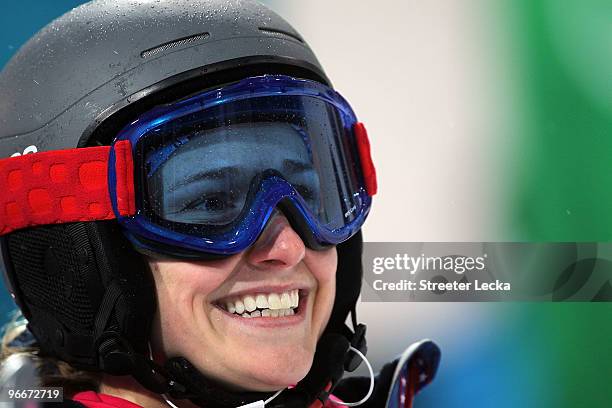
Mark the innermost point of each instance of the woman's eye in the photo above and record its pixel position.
(211, 203)
(305, 192)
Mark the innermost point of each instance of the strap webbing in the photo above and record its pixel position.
(64, 186)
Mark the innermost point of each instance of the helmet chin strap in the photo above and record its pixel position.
(264, 403)
(179, 379)
(165, 396)
(332, 355)
(256, 404)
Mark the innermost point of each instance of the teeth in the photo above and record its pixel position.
(285, 300)
(274, 301)
(239, 307)
(295, 299)
(265, 305)
(262, 301)
(249, 303)
(269, 313)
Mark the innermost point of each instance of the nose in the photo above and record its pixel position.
(278, 247)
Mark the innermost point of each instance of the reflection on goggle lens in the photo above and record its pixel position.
(208, 175)
(206, 168)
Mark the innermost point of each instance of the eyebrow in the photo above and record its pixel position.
(207, 175)
(294, 166)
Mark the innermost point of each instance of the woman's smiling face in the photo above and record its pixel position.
(199, 302)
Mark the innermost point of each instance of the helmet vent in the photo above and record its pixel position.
(173, 44)
(276, 31)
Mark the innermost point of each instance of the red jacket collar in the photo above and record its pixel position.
(92, 399)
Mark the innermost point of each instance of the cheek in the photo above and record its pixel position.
(323, 265)
(182, 292)
(182, 282)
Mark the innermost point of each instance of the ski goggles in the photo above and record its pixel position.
(204, 174)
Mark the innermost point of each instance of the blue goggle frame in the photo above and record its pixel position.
(274, 191)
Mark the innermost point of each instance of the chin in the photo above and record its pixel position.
(275, 369)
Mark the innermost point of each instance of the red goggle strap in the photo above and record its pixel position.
(64, 186)
(367, 165)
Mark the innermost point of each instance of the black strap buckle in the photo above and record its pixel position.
(358, 341)
(117, 358)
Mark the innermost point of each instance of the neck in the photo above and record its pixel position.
(127, 388)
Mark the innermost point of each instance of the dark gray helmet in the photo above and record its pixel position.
(104, 55)
(86, 293)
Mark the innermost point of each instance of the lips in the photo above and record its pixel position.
(263, 304)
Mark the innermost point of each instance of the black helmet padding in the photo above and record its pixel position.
(65, 273)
